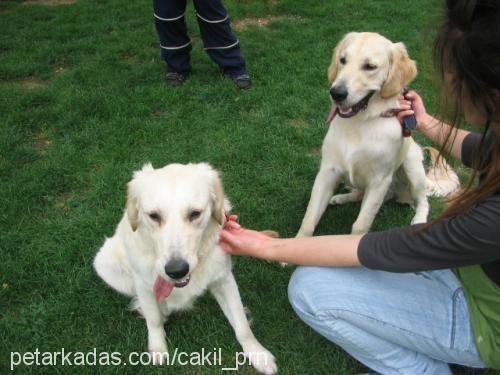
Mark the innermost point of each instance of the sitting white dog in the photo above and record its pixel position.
(365, 146)
(165, 253)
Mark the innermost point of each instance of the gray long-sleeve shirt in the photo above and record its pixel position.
(466, 239)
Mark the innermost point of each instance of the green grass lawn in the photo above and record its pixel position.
(83, 103)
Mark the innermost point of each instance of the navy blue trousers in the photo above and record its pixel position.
(218, 39)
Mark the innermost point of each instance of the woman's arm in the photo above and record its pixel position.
(429, 126)
(340, 250)
(467, 239)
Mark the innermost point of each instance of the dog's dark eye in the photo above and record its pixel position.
(155, 216)
(342, 60)
(369, 66)
(193, 215)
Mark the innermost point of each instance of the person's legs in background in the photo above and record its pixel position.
(220, 42)
(413, 323)
(175, 43)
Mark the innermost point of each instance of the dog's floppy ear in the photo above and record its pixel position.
(216, 192)
(333, 69)
(132, 209)
(403, 70)
(218, 201)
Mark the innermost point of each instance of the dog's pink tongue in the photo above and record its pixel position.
(331, 115)
(162, 288)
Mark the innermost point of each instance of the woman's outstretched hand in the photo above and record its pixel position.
(339, 250)
(236, 240)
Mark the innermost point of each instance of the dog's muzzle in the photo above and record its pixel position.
(339, 94)
(177, 270)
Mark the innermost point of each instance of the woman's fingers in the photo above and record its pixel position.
(226, 240)
(411, 94)
(233, 218)
(402, 114)
(404, 104)
(414, 98)
(231, 225)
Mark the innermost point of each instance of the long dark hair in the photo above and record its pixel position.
(467, 55)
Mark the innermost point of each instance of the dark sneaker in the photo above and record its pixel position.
(243, 81)
(175, 79)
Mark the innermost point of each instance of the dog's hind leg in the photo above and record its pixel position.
(415, 172)
(353, 196)
(325, 183)
(227, 295)
(110, 265)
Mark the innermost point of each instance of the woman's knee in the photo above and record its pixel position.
(295, 284)
(307, 284)
(313, 290)
(297, 289)
(318, 296)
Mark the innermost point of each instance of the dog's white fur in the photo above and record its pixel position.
(136, 255)
(367, 150)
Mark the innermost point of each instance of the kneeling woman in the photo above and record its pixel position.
(427, 295)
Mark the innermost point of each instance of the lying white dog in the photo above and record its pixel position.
(365, 145)
(165, 253)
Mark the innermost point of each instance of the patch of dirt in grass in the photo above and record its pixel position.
(60, 70)
(315, 152)
(32, 83)
(129, 56)
(66, 201)
(160, 113)
(95, 167)
(298, 123)
(244, 23)
(50, 3)
(61, 202)
(42, 141)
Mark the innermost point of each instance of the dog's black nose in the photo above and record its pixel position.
(177, 268)
(339, 93)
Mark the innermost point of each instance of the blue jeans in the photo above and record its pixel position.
(394, 323)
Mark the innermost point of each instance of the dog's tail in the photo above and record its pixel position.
(442, 180)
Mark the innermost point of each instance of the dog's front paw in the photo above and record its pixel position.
(158, 354)
(263, 361)
(260, 358)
